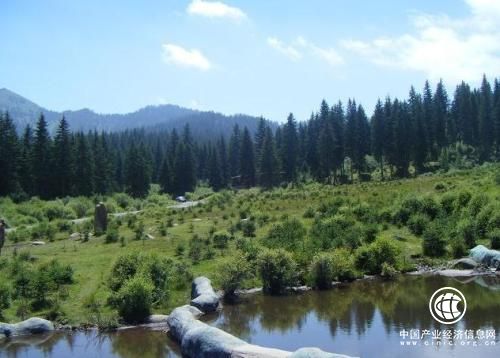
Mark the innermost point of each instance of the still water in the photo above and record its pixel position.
(364, 319)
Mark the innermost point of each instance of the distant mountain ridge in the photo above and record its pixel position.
(204, 124)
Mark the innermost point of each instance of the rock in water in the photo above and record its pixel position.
(100, 219)
(464, 263)
(199, 340)
(30, 326)
(203, 296)
(485, 256)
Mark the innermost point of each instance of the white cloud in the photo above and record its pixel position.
(442, 47)
(289, 51)
(215, 9)
(179, 56)
(301, 47)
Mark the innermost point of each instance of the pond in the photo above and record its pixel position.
(365, 319)
(130, 343)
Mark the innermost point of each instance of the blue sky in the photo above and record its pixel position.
(256, 57)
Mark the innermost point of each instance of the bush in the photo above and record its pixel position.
(495, 239)
(418, 223)
(221, 239)
(277, 270)
(336, 232)
(232, 273)
(433, 244)
(458, 248)
(370, 233)
(5, 296)
(134, 300)
(288, 235)
(388, 271)
(328, 267)
(467, 231)
(123, 269)
(248, 228)
(322, 271)
(59, 274)
(370, 258)
(112, 235)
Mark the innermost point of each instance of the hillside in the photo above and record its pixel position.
(166, 117)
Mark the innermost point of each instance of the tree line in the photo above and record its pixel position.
(402, 137)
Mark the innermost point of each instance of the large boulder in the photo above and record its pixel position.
(30, 326)
(199, 340)
(485, 256)
(464, 264)
(203, 295)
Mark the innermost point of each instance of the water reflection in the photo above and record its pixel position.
(364, 318)
(124, 344)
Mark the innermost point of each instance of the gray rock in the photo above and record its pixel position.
(30, 326)
(464, 263)
(199, 340)
(485, 256)
(203, 296)
(100, 219)
(37, 243)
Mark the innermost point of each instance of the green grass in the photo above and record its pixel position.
(93, 260)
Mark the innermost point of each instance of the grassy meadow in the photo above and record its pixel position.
(457, 210)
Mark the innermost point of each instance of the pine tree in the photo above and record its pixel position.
(137, 171)
(289, 149)
(378, 135)
(184, 176)
(268, 161)
(62, 164)
(235, 152)
(440, 115)
(215, 178)
(84, 170)
(247, 161)
(337, 125)
(486, 124)
(428, 114)
(9, 156)
(165, 176)
(496, 117)
(41, 160)
(222, 153)
(26, 162)
(419, 137)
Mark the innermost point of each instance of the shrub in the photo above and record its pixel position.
(309, 213)
(288, 235)
(59, 274)
(277, 270)
(232, 273)
(430, 207)
(458, 248)
(112, 235)
(343, 265)
(134, 299)
(477, 202)
(433, 243)
(322, 271)
(388, 271)
(371, 258)
(248, 228)
(494, 237)
(335, 232)
(467, 231)
(123, 269)
(370, 232)
(221, 240)
(5, 296)
(418, 223)
(40, 284)
(327, 267)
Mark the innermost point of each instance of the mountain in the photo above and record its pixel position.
(164, 117)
